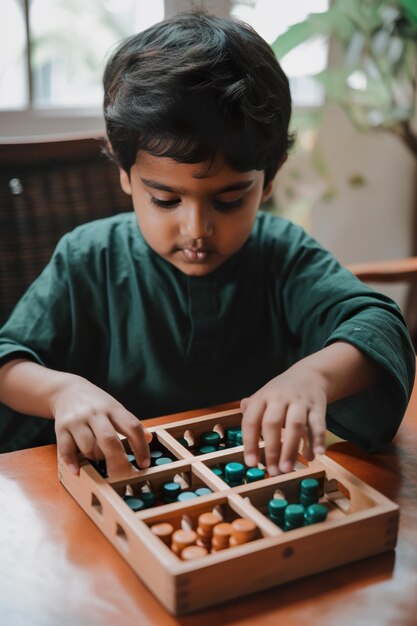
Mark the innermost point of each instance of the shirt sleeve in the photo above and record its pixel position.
(325, 303)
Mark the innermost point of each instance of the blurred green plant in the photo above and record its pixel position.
(375, 82)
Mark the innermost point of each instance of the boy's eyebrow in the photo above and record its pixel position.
(241, 185)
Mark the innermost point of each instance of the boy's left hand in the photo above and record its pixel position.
(296, 400)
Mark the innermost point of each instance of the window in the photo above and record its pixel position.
(273, 17)
(54, 84)
(69, 43)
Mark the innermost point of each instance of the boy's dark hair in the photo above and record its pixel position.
(196, 86)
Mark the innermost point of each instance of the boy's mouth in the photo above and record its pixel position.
(195, 255)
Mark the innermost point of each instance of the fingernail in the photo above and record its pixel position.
(145, 463)
(286, 467)
(73, 469)
(251, 460)
(273, 470)
(319, 450)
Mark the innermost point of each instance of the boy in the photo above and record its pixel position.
(196, 298)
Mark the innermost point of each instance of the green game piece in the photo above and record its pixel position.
(309, 491)
(183, 442)
(136, 504)
(309, 486)
(218, 471)
(231, 435)
(239, 438)
(316, 513)
(206, 449)
(163, 460)
(186, 495)
(277, 507)
(170, 491)
(149, 498)
(276, 511)
(294, 516)
(211, 438)
(203, 491)
(155, 455)
(234, 473)
(254, 473)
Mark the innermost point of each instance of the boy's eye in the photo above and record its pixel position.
(222, 205)
(165, 204)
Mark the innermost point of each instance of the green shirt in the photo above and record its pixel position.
(108, 308)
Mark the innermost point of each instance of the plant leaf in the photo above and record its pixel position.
(410, 9)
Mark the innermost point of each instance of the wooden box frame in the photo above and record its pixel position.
(361, 522)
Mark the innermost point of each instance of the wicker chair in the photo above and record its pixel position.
(46, 189)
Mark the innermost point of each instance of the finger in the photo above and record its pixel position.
(148, 436)
(133, 430)
(272, 422)
(110, 445)
(317, 428)
(295, 424)
(251, 430)
(243, 404)
(85, 441)
(68, 450)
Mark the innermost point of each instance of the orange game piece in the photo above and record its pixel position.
(193, 552)
(207, 521)
(206, 524)
(182, 539)
(163, 531)
(243, 531)
(221, 536)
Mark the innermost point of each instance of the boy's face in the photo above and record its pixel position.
(193, 220)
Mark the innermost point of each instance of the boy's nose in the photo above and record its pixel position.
(196, 222)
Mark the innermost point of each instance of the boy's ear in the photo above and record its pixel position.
(266, 193)
(125, 182)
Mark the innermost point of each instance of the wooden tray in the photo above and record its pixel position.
(361, 522)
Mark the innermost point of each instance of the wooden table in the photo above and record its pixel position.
(57, 569)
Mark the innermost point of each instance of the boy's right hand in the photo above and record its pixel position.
(87, 420)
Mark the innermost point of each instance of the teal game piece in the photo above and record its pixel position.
(163, 460)
(231, 436)
(186, 495)
(203, 491)
(239, 438)
(155, 455)
(234, 473)
(218, 471)
(254, 473)
(149, 498)
(211, 438)
(183, 442)
(316, 513)
(309, 491)
(136, 504)
(294, 516)
(276, 511)
(206, 449)
(171, 491)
